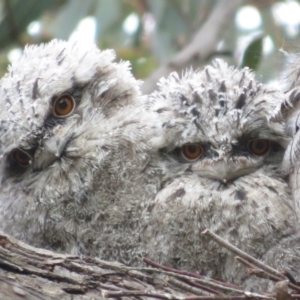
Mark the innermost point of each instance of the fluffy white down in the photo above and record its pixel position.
(89, 176)
(108, 180)
(291, 110)
(240, 196)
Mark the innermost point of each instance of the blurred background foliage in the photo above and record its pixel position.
(263, 34)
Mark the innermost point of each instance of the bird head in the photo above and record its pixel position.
(220, 123)
(72, 147)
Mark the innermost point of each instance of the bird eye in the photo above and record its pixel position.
(22, 158)
(259, 147)
(191, 152)
(63, 106)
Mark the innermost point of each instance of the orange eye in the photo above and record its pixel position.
(259, 147)
(22, 158)
(191, 152)
(63, 105)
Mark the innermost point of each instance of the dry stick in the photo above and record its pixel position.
(202, 286)
(261, 273)
(248, 257)
(257, 272)
(134, 272)
(242, 254)
(207, 281)
(254, 270)
(189, 274)
(186, 287)
(166, 296)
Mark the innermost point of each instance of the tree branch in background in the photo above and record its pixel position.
(202, 45)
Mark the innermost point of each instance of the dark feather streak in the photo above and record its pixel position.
(241, 101)
(35, 91)
(240, 195)
(178, 193)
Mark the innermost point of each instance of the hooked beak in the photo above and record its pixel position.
(227, 170)
(53, 147)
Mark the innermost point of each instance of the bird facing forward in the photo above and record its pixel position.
(222, 171)
(74, 161)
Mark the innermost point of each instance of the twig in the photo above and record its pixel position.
(258, 272)
(186, 287)
(261, 273)
(204, 287)
(242, 254)
(189, 274)
(248, 296)
(202, 282)
(269, 270)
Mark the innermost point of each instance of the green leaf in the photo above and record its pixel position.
(253, 53)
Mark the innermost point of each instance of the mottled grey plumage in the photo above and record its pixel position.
(92, 174)
(87, 177)
(238, 194)
(291, 109)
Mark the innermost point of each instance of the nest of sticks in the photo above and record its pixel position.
(31, 273)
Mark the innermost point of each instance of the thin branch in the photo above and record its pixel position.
(207, 38)
(258, 272)
(189, 274)
(242, 254)
(201, 46)
(248, 259)
(187, 287)
(248, 296)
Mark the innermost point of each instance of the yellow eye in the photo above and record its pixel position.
(22, 158)
(259, 147)
(63, 105)
(191, 152)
